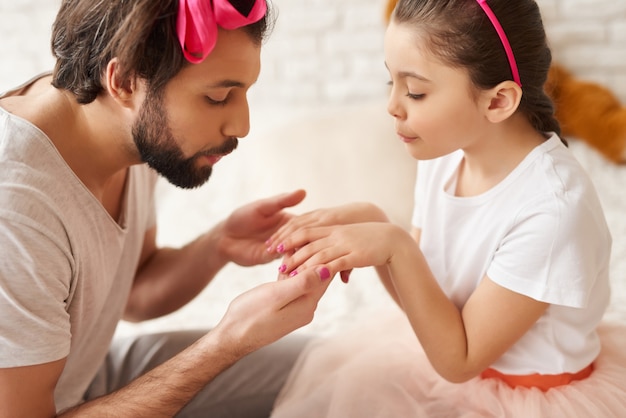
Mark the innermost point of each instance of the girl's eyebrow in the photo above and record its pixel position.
(411, 74)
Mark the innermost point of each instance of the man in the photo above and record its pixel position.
(145, 81)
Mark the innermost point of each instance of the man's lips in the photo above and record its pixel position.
(214, 158)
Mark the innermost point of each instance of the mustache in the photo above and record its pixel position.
(226, 147)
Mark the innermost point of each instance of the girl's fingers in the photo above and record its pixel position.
(288, 229)
(319, 252)
(297, 239)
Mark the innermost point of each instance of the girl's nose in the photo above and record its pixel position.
(394, 108)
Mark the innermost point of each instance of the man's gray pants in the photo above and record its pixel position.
(245, 390)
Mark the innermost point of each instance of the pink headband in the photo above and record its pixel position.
(197, 22)
(503, 39)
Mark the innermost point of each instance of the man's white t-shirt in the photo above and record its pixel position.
(540, 232)
(66, 267)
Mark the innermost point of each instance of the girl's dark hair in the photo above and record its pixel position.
(87, 34)
(460, 34)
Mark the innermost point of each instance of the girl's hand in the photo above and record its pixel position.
(342, 247)
(340, 215)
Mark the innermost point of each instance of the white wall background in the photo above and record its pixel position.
(331, 51)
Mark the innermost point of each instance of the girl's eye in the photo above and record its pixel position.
(415, 96)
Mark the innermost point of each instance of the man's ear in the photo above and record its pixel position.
(127, 93)
(502, 101)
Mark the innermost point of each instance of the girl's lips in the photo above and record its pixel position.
(406, 139)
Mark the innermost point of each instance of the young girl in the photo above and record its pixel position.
(504, 279)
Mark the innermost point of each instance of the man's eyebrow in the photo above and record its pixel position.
(226, 84)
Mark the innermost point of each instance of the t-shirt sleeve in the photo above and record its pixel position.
(35, 277)
(553, 252)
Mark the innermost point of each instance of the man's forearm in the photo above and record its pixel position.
(166, 389)
(172, 277)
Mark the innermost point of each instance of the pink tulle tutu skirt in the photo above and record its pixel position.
(379, 370)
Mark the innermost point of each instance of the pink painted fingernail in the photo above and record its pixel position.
(280, 248)
(324, 273)
(293, 273)
(282, 268)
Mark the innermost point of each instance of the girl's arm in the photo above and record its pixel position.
(385, 277)
(460, 342)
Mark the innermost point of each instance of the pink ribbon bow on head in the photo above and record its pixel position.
(197, 22)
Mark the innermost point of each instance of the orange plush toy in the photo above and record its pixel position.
(587, 111)
(590, 112)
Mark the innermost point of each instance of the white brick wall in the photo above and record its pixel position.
(589, 37)
(325, 51)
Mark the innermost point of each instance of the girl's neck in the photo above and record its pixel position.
(490, 161)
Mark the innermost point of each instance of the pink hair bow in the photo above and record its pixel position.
(197, 22)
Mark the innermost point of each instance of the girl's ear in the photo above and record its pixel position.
(502, 101)
(127, 93)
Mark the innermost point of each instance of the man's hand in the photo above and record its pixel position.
(253, 320)
(244, 233)
(272, 310)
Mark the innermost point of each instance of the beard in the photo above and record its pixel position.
(158, 148)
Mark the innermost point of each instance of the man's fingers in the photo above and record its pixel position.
(275, 204)
(308, 282)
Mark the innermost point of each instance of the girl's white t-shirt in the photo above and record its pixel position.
(540, 232)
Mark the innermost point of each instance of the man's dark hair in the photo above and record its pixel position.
(87, 34)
